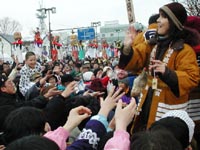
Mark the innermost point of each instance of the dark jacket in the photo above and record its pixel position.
(9, 102)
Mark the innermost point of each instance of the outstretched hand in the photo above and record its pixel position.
(69, 89)
(130, 36)
(2, 147)
(95, 94)
(110, 102)
(123, 116)
(76, 116)
(52, 92)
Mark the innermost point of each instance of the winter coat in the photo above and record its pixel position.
(181, 75)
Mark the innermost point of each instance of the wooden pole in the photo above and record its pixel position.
(130, 11)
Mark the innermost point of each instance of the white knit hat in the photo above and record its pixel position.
(87, 75)
(106, 68)
(183, 115)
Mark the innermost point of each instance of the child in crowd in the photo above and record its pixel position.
(31, 67)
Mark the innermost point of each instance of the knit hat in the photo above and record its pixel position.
(138, 26)
(87, 76)
(183, 115)
(3, 79)
(106, 68)
(176, 13)
(124, 80)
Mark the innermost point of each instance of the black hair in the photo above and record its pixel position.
(33, 142)
(176, 126)
(22, 122)
(88, 101)
(28, 54)
(153, 18)
(155, 140)
(96, 71)
(4, 111)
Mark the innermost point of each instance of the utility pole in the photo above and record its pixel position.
(53, 11)
(41, 16)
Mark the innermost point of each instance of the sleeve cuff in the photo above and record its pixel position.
(102, 119)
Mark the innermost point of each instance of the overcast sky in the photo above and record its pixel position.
(77, 13)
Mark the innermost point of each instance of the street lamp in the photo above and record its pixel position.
(96, 24)
(53, 11)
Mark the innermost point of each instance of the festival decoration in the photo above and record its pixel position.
(55, 54)
(38, 43)
(18, 46)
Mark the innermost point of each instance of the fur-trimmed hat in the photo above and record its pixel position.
(176, 13)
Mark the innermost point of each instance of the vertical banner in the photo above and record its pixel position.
(130, 11)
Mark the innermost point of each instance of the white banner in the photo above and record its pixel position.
(130, 11)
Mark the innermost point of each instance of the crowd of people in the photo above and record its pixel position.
(140, 100)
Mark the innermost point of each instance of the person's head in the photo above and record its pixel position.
(4, 111)
(22, 122)
(193, 22)
(52, 80)
(176, 126)
(95, 66)
(96, 85)
(172, 17)
(90, 102)
(57, 69)
(7, 85)
(88, 76)
(179, 124)
(160, 139)
(98, 72)
(30, 59)
(6, 67)
(124, 84)
(106, 69)
(33, 142)
(66, 79)
(153, 19)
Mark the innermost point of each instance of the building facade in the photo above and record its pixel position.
(113, 31)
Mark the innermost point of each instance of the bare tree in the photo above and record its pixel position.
(9, 26)
(192, 6)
